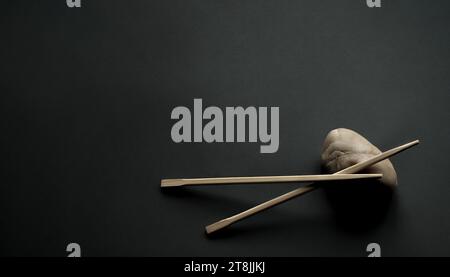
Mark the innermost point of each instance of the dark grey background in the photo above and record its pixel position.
(86, 96)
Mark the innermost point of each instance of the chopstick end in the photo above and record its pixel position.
(217, 226)
(171, 183)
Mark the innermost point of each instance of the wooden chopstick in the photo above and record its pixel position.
(297, 192)
(263, 179)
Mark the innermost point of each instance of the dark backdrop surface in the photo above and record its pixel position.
(86, 97)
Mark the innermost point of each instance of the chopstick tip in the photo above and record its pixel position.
(171, 183)
(217, 226)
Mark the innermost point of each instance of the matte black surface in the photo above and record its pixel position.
(86, 96)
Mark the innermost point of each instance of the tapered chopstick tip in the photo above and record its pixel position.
(171, 183)
(408, 145)
(217, 226)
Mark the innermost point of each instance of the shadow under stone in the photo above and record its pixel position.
(359, 205)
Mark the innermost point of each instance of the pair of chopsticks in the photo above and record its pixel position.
(345, 174)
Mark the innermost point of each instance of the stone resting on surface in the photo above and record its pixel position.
(344, 147)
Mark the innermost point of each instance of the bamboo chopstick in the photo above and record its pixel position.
(297, 192)
(263, 179)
